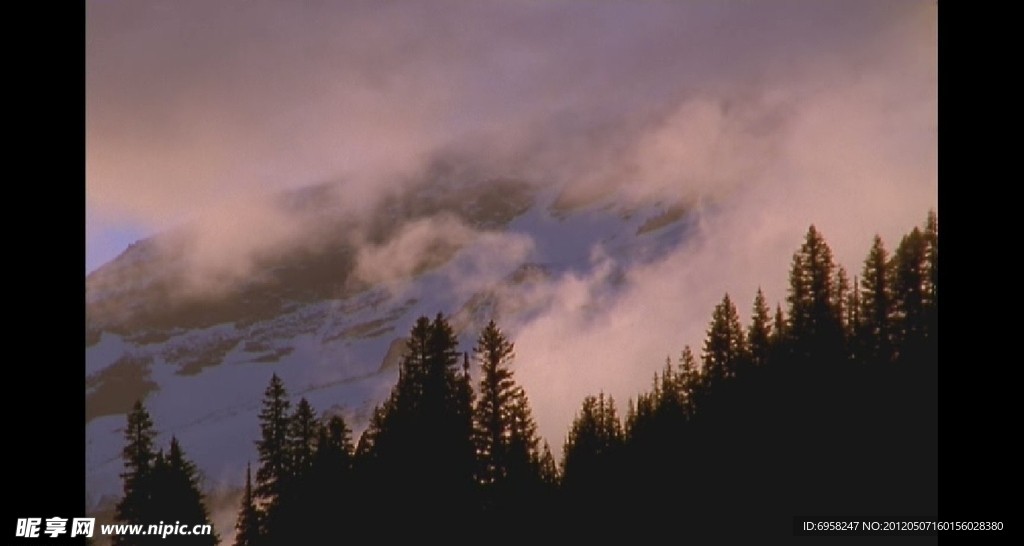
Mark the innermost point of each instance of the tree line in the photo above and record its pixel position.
(828, 403)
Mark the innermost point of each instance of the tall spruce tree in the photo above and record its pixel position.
(136, 505)
(523, 457)
(779, 327)
(814, 316)
(302, 435)
(502, 417)
(690, 379)
(876, 300)
(493, 351)
(760, 332)
(274, 451)
(671, 397)
(724, 346)
(247, 526)
(448, 399)
(910, 281)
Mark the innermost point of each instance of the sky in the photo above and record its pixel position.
(779, 113)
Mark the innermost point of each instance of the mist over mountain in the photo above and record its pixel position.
(330, 317)
(593, 180)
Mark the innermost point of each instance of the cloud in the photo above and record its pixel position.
(195, 103)
(224, 247)
(418, 246)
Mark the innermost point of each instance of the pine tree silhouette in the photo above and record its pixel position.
(725, 347)
(877, 307)
(302, 434)
(753, 432)
(177, 495)
(910, 282)
(814, 297)
(760, 332)
(136, 505)
(594, 438)
(419, 441)
(247, 526)
(504, 431)
(297, 500)
(275, 467)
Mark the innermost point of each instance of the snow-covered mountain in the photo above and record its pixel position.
(330, 317)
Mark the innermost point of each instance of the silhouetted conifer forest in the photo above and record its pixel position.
(826, 405)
